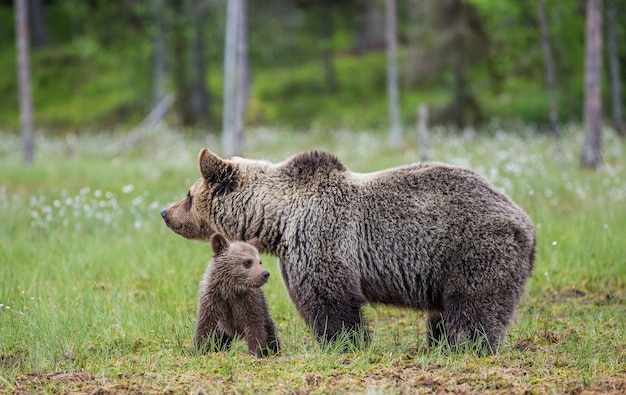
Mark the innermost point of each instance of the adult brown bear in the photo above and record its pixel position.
(427, 236)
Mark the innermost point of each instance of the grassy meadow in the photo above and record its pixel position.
(98, 296)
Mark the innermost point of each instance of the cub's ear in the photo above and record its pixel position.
(254, 242)
(221, 174)
(219, 244)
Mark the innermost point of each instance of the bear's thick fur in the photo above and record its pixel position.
(231, 302)
(427, 236)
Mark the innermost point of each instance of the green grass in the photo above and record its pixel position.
(97, 295)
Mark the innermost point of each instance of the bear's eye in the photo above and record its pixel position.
(247, 264)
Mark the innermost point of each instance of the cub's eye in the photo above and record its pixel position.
(260, 262)
(247, 264)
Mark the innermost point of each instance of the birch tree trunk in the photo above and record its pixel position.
(616, 83)
(395, 133)
(243, 82)
(23, 71)
(229, 142)
(550, 81)
(591, 156)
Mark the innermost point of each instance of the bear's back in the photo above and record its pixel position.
(420, 221)
(439, 189)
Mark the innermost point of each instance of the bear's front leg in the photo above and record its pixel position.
(332, 308)
(257, 340)
(213, 341)
(208, 335)
(273, 344)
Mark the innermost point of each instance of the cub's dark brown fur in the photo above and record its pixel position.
(231, 302)
(426, 236)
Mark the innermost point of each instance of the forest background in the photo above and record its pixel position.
(105, 65)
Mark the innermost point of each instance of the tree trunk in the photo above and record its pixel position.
(230, 79)
(458, 101)
(38, 28)
(370, 24)
(23, 71)
(200, 99)
(327, 26)
(180, 62)
(616, 83)
(243, 82)
(422, 132)
(550, 81)
(395, 134)
(159, 67)
(592, 152)
(417, 65)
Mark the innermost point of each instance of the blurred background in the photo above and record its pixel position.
(212, 66)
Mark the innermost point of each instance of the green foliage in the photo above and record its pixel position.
(96, 294)
(97, 71)
(77, 87)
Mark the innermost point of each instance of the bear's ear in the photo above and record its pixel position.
(210, 164)
(219, 244)
(221, 174)
(254, 242)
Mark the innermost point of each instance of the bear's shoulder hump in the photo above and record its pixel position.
(312, 163)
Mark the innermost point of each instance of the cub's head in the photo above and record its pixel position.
(209, 203)
(237, 263)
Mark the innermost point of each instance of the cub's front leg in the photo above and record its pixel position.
(208, 335)
(257, 340)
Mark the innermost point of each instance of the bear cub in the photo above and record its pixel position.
(231, 303)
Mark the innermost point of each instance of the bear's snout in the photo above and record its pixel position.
(164, 213)
(265, 274)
